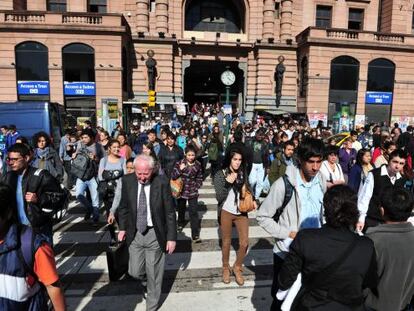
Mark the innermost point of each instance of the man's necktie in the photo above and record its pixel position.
(142, 211)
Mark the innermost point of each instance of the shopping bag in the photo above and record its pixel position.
(117, 257)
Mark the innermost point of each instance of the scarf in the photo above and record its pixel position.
(40, 159)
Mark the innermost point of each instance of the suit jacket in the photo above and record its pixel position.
(161, 206)
(315, 249)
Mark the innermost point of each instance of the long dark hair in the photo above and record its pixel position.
(241, 172)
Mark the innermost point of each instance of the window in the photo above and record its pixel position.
(344, 73)
(97, 6)
(152, 5)
(277, 10)
(381, 74)
(356, 19)
(303, 77)
(32, 62)
(32, 65)
(323, 16)
(56, 5)
(78, 63)
(214, 16)
(412, 20)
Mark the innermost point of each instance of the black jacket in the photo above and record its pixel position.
(47, 184)
(315, 249)
(168, 158)
(161, 205)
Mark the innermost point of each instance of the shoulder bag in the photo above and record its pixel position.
(246, 200)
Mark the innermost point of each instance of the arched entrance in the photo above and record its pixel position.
(32, 71)
(203, 84)
(215, 16)
(343, 93)
(78, 61)
(380, 87)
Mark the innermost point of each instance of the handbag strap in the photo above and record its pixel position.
(333, 267)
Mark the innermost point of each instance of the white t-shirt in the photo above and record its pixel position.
(331, 175)
(230, 205)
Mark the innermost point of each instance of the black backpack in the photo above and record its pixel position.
(289, 190)
(52, 205)
(83, 167)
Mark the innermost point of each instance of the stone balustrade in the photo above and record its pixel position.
(68, 18)
(314, 33)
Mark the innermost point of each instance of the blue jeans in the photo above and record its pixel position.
(92, 185)
(256, 178)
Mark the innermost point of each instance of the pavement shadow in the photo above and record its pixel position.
(261, 296)
(106, 298)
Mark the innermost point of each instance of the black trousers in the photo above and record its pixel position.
(277, 265)
(193, 213)
(71, 181)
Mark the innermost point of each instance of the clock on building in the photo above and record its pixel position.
(228, 77)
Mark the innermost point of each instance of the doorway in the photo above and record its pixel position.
(202, 83)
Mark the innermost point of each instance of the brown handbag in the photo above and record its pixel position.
(246, 200)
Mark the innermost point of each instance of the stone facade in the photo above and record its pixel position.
(269, 29)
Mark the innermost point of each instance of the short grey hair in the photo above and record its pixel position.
(145, 158)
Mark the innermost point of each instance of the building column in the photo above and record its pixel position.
(142, 14)
(268, 19)
(286, 20)
(161, 12)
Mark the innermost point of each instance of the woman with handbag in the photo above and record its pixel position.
(336, 263)
(191, 174)
(111, 168)
(235, 200)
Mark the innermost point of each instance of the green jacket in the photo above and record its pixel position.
(277, 168)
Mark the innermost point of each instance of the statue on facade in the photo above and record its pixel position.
(151, 64)
(280, 70)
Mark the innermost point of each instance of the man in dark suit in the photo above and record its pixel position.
(147, 222)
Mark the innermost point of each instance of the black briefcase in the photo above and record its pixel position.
(117, 257)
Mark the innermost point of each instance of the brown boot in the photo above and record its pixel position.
(226, 274)
(238, 275)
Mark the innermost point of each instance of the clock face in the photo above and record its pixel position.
(228, 77)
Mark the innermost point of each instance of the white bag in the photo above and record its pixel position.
(289, 295)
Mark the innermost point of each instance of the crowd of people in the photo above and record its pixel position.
(339, 210)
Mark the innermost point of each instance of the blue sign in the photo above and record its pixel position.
(379, 98)
(79, 88)
(33, 87)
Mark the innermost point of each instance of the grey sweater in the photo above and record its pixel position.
(290, 219)
(395, 256)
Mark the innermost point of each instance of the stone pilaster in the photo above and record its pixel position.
(286, 20)
(161, 12)
(268, 18)
(142, 14)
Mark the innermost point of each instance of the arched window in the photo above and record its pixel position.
(303, 77)
(412, 20)
(32, 61)
(343, 93)
(380, 87)
(344, 73)
(215, 16)
(78, 63)
(32, 71)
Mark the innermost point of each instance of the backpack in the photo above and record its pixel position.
(289, 189)
(83, 167)
(57, 202)
(213, 152)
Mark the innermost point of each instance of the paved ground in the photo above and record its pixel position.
(192, 279)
